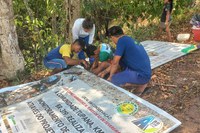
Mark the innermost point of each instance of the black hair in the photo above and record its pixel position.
(80, 42)
(90, 50)
(171, 5)
(88, 23)
(115, 31)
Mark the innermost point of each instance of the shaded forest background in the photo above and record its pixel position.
(45, 24)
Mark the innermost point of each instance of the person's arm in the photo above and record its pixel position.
(120, 50)
(103, 73)
(95, 64)
(114, 66)
(91, 35)
(75, 30)
(70, 61)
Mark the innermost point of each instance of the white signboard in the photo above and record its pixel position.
(163, 52)
(76, 101)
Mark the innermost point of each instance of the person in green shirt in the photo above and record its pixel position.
(103, 56)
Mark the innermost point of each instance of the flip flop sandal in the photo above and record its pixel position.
(146, 90)
(129, 87)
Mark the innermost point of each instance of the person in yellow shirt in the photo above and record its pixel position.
(61, 57)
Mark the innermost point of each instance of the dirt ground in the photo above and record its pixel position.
(175, 86)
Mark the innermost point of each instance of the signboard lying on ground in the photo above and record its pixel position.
(76, 101)
(163, 52)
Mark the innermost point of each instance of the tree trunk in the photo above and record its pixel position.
(11, 58)
(72, 13)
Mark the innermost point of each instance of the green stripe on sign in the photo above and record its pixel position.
(189, 49)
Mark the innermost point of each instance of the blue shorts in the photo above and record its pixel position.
(129, 76)
(55, 63)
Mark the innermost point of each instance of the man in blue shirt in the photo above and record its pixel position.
(132, 59)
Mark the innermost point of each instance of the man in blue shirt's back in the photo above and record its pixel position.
(133, 60)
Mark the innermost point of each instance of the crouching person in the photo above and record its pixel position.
(60, 58)
(102, 55)
(132, 59)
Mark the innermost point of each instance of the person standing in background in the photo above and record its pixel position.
(84, 29)
(166, 18)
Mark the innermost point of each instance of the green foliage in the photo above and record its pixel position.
(127, 12)
(142, 33)
(40, 27)
(41, 24)
(104, 11)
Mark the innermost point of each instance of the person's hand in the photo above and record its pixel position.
(103, 74)
(92, 68)
(85, 63)
(109, 78)
(94, 65)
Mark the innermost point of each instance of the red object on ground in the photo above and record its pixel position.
(196, 32)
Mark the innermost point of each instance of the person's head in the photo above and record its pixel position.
(165, 1)
(87, 25)
(91, 51)
(78, 45)
(115, 33)
(171, 4)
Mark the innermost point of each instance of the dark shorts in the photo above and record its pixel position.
(129, 76)
(163, 25)
(55, 63)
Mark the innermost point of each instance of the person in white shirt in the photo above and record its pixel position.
(84, 29)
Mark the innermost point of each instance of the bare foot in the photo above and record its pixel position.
(129, 86)
(56, 71)
(140, 88)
